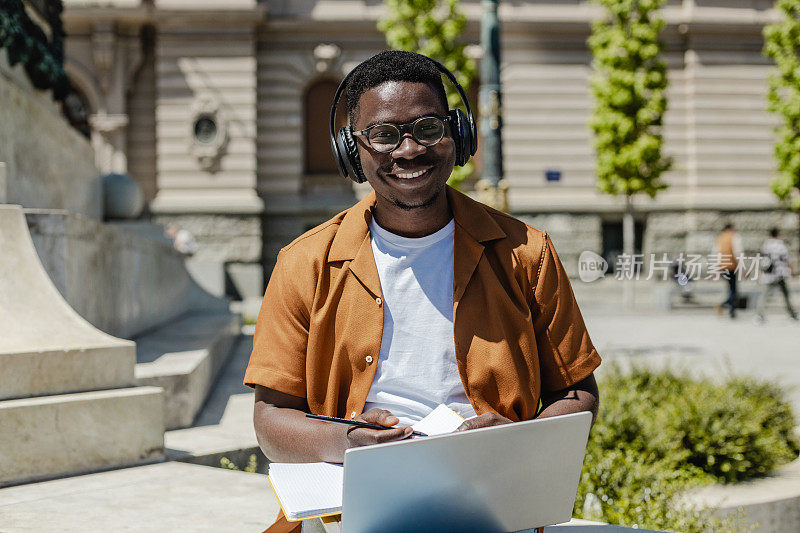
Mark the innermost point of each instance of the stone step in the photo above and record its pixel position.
(184, 358)
(45, 346)
(68, 434)
(159, 498)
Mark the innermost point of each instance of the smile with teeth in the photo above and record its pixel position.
(411, 175)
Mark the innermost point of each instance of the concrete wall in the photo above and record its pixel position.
(121, 282)
(47, 166)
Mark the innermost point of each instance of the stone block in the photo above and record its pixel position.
(210, 275)
(247, 279)
(158, 498)
(74, 433)
(56, 371)
(183, 358)
(45, 346)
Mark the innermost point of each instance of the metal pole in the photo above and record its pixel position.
(492, 189)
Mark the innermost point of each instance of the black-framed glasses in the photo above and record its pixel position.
(386, 137)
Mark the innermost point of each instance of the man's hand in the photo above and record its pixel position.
(483, 421)
(363, 436)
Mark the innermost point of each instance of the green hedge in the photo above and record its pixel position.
(659, 433)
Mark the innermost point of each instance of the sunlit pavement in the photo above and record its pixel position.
(701, 342)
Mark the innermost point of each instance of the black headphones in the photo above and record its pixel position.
(462, 128)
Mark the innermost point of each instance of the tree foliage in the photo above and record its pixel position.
(629, 85)
(782, 44)
(433, 28)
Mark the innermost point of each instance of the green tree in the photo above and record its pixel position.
(782, 44)
(629, 85)
(433, 28)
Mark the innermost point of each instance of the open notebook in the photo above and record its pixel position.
(310, 490)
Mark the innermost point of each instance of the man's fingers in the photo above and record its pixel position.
(482, 421)
(379, 416)
(470, 423)
(388, 435)
(365, 437)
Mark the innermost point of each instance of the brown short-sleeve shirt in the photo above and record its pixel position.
(517, 328)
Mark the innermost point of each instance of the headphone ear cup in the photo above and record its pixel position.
(347, 157)
(462, 136)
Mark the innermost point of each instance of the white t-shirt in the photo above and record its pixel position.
(417, 367)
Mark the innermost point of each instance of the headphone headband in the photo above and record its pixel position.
(347, 159)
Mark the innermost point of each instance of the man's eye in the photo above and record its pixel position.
(380, 135)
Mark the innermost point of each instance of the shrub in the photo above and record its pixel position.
(251, 466)
(660, 433)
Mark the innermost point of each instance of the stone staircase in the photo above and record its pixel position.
(68, 398)
(184, 358)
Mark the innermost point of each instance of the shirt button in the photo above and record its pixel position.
(378, 301)
(353, 414)
(369, 359)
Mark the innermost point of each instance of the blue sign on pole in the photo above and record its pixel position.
(552, 175)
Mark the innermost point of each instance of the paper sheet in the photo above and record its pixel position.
(440, 421)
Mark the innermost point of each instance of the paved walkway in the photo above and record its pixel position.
(702, 343)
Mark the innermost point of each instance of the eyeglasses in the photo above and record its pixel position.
(387, 136)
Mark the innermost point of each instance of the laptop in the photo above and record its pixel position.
(490, 480)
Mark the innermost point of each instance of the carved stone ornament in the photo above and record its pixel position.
(325, 56)
(208, 131)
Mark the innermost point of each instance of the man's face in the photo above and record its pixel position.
(390, 173)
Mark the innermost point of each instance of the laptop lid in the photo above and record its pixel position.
(499, 479)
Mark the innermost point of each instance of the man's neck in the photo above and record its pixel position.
(416, 222)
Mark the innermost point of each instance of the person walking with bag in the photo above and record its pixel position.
(776, 270)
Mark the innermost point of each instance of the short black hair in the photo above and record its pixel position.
(774, 232)
(392, 65)
(728, 226)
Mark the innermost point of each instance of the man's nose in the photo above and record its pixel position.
(408, 148)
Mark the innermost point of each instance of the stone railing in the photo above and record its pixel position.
(122, 282)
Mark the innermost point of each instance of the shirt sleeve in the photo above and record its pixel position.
(566, 353)
(278, 360)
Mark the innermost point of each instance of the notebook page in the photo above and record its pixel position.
(440, 421)
(307, 489)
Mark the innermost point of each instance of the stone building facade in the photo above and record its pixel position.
(218, 108)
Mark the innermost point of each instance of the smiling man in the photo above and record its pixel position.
(416, 296)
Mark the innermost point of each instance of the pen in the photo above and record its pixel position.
(357, 423)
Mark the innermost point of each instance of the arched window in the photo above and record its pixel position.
(317, 108)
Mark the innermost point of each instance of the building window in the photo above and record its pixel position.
(317, 108)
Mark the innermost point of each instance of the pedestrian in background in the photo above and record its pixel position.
(729, 246)
(777, 268)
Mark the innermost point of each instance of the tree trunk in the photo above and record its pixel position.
(628, 296)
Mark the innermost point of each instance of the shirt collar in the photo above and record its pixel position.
(469, 215)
